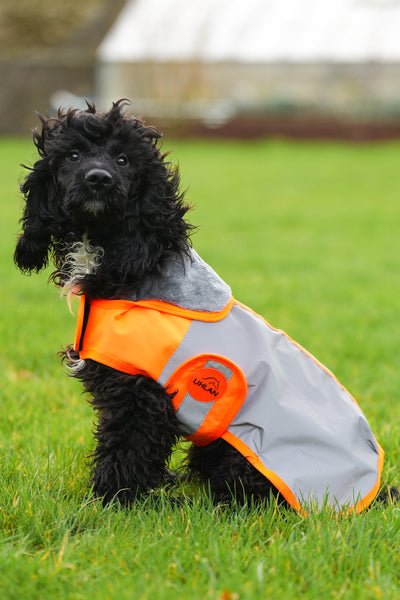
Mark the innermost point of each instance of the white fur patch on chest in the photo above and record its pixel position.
(82, 259)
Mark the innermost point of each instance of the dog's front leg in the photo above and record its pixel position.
(136, 431)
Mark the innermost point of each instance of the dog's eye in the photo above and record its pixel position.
(122, 160)
(73, 155)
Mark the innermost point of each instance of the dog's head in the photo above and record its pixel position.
(100, 175)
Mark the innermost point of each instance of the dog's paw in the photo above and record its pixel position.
(171, 478)
(123, 498)
(174, 477)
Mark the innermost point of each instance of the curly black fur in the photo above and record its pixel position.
(136, 216)
(101, 181)
(229, 474)
(136, 431)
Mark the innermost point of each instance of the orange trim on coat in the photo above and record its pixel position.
(285, 490)
(79, 322)
(317, 362)
(196, 315)
(299, 346)
(270, 475)
(365, 502)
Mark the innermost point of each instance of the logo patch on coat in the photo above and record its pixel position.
(207, 385)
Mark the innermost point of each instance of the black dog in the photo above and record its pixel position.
(105, 204)
(102, 178)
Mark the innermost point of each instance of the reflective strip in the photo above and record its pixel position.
(191, 414)
(213, 364)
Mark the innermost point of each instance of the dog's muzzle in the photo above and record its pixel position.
(99, 179)
(96, 194)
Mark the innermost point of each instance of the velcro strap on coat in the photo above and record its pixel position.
(210, 391)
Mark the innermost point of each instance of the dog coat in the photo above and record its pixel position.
(238, 378)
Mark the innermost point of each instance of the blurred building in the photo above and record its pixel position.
(214, 61)
(223, 67)
(47, 46)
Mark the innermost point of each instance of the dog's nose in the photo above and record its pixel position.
(98, 178)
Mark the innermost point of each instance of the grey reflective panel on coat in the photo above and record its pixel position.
(297, 418)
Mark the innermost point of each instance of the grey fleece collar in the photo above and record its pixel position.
(188, 282)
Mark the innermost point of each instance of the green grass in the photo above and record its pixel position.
(307, 235)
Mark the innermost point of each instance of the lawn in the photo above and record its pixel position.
(307, 234)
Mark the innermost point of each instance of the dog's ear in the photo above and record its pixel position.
(31, 253)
